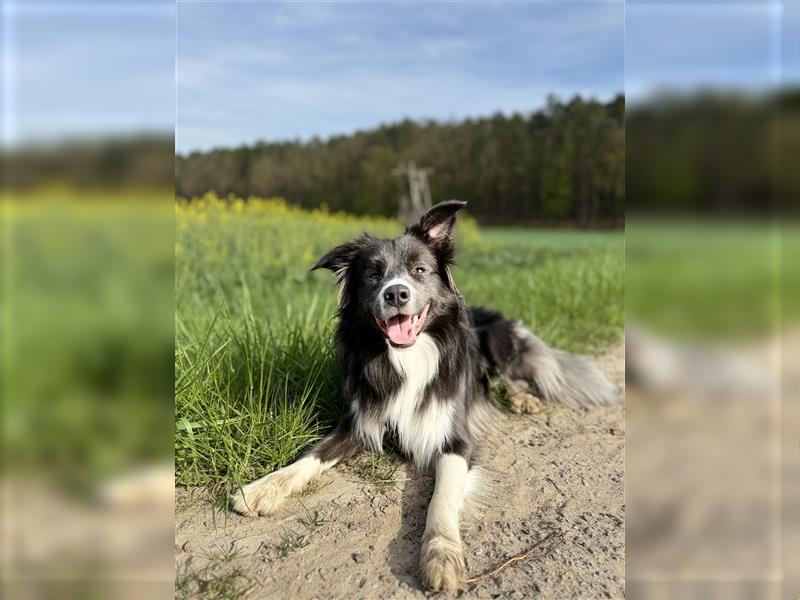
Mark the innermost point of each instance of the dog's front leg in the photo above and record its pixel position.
(264, 496)
(441, 560)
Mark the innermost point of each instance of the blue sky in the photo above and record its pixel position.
(257, 70)
(738, 44)
(87, 69)
(251, 71)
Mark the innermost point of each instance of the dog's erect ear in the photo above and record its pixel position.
(436, 226)
(338, 259)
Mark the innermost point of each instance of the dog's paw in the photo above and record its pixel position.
(262, 497)
(441, 563)
(525, 404)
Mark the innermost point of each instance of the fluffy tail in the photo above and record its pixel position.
(527, 364)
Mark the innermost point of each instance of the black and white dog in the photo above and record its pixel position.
(417, 366)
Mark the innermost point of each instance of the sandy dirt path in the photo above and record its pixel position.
(565, 473)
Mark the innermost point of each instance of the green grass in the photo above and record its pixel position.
(710, 281)
(290, 542)
(568, 286)
(256, 375)
(87, 334)
(377, 469)
(311, 519)
(219, 578)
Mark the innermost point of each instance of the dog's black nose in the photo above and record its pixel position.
(397, 295)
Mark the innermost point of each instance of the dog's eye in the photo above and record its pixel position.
(420, 270)
(374, 276)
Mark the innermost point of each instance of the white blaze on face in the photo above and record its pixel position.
(390, 283)
(402, 328)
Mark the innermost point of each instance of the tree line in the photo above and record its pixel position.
(132, 161)
(714, 154)
(563, 164)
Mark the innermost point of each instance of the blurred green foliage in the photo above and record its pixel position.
(702, 280)
(715, 154)
(87, 340)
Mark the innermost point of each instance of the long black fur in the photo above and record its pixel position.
(418, 365)
(474, 345)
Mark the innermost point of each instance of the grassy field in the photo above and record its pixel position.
(256, 375)
(710, 282)
(87, 333)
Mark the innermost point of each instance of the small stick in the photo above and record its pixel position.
(529, 553)
(553, 483)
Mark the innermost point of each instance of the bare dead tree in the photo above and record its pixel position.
(415, 197)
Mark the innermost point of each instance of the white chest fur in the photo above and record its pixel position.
(420, 431)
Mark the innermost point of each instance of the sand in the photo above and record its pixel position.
(564, 472)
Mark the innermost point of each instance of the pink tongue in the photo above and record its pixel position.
(401, 330)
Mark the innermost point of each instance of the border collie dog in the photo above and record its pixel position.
(417, 367)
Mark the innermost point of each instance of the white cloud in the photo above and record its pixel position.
(298, 71)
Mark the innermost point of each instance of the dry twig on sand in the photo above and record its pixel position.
(555, 538)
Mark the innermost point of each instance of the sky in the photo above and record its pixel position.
(689, 44)
(251, 71)
(254, 70)
(87, 69)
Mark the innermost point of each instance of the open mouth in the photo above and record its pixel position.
(402, 330)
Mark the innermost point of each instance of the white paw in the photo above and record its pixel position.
(263, 497)
(441, 563)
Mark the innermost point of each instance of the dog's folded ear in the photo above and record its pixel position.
(338, 259)
(436, 226)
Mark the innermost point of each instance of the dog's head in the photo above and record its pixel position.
(399, 284)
